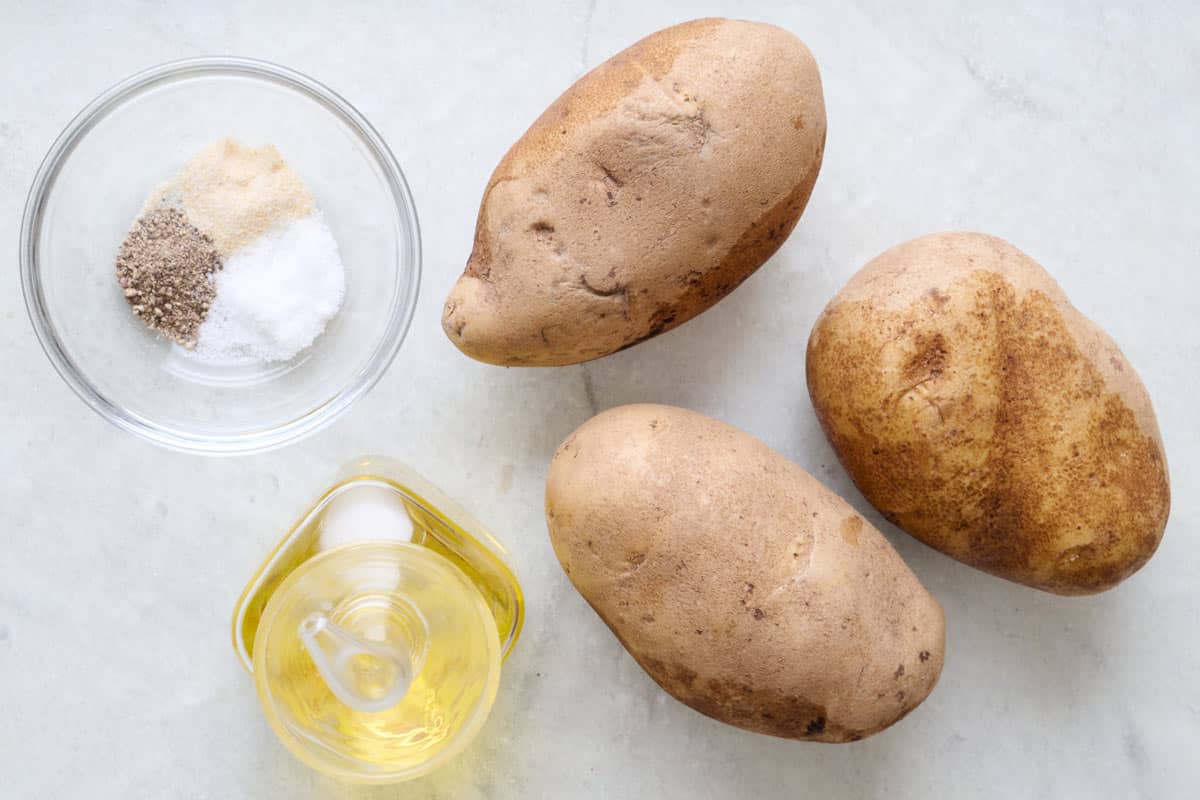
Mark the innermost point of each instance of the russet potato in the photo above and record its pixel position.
(743, 586)
(978, 410)
(642, 196)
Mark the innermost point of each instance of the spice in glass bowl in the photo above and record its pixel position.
(232, 259)
(165, 268)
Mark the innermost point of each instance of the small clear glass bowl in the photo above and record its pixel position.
(94, 182)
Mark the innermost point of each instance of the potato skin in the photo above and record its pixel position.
(979, 411)
(642, 196)
(740, 584)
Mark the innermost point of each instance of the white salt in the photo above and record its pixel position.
(275, 295)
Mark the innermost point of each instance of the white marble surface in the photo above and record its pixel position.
(1071, 132)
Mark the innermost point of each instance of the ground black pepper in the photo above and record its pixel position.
(165, 268)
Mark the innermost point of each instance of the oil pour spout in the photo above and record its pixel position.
(366, 675)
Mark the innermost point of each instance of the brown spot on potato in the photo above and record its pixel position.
(850, 528)
(684, 676)
(673, 674)
(938, 297)
(610, 179)
(801, 549)
(660, 321)
(929, 359)
(742, 704)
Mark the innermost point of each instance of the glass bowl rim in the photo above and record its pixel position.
(400, 315)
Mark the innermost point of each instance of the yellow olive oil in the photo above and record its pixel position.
(376, 654)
